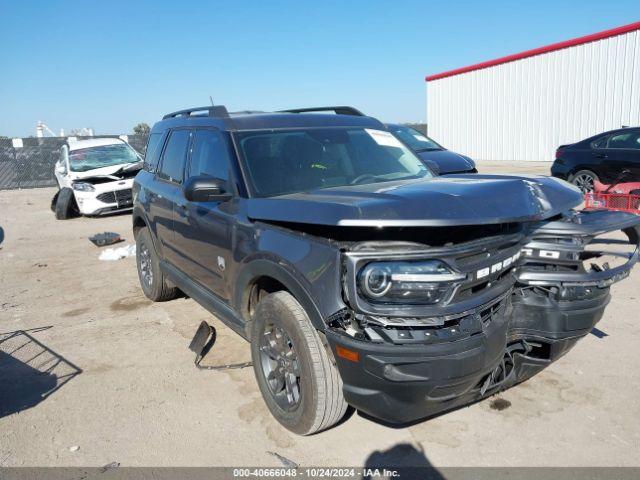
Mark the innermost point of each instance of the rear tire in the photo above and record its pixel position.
(299, 383)
(583, 179)
(152, 281)
(66, 206)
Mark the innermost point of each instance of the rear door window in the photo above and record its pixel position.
(174, 155)
(600, 142)
(209, 155)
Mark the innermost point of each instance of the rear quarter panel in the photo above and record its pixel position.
(142, 193)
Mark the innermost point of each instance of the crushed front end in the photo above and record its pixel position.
(105, 194)
(430, 326)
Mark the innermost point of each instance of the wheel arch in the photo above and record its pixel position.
(580, 167)
(268, 276)
(138, 221)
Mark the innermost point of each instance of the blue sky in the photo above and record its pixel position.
(109, 65)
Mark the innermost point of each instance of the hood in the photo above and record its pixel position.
(106, 171)
(440, 201)
(447, 161)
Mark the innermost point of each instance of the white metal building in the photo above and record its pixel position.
(521, 107)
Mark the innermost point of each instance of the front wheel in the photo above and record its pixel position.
(584, 180)
(66, 206)
(54, 201)
(299, 383)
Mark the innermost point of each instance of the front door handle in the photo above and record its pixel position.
(600, 155)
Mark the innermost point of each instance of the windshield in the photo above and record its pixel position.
(86, 159)
(416, 140)
(288, 161)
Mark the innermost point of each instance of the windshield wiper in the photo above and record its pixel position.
(428, 149)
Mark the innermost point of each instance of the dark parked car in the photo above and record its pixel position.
(602, 157)
(358, 277)
(438, 158)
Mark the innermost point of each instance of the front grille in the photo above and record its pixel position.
(485, 269)
(124, 198)
(107, 197)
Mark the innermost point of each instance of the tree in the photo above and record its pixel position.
(141, 129)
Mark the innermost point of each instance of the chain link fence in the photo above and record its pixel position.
(31, 165)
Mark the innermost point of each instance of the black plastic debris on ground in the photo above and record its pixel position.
(106, 238)
(29, 371)
(598, 333)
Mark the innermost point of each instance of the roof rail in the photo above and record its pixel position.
(246, 112)
(338, 110)
(219, 111)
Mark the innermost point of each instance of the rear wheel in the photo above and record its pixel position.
(584, 179)
(153, 282)
(66, 206)
(298, 381)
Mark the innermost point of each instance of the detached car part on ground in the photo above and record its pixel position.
(360, 278)
(95, 177)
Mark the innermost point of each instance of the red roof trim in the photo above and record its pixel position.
(538, 51)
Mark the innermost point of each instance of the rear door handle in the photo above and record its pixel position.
(600, 155)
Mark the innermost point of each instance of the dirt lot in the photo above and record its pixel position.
(128, 392)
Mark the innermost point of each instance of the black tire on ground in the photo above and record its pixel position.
(152, 281)
(66, 206)
(583, 179)
(320, 403)
(54, 201)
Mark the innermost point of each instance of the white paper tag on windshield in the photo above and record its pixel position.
(384, 138)
(422, 138)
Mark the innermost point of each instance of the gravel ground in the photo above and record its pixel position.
(125, 388)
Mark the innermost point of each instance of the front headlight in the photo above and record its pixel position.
(83, 187)
(424, 282)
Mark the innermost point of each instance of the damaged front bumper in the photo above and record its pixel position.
(411, 367)
(106, 198)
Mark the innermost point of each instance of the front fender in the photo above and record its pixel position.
(308, 267)
(268, 268)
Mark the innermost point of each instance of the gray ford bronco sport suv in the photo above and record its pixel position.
(359, 277)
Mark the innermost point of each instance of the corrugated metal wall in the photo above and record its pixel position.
(522, 110)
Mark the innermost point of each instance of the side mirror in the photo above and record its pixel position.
(203, 188)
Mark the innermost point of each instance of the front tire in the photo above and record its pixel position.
(54, 201)
(152, 281)
(66, 206)
(584, 180)
(299, 383)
